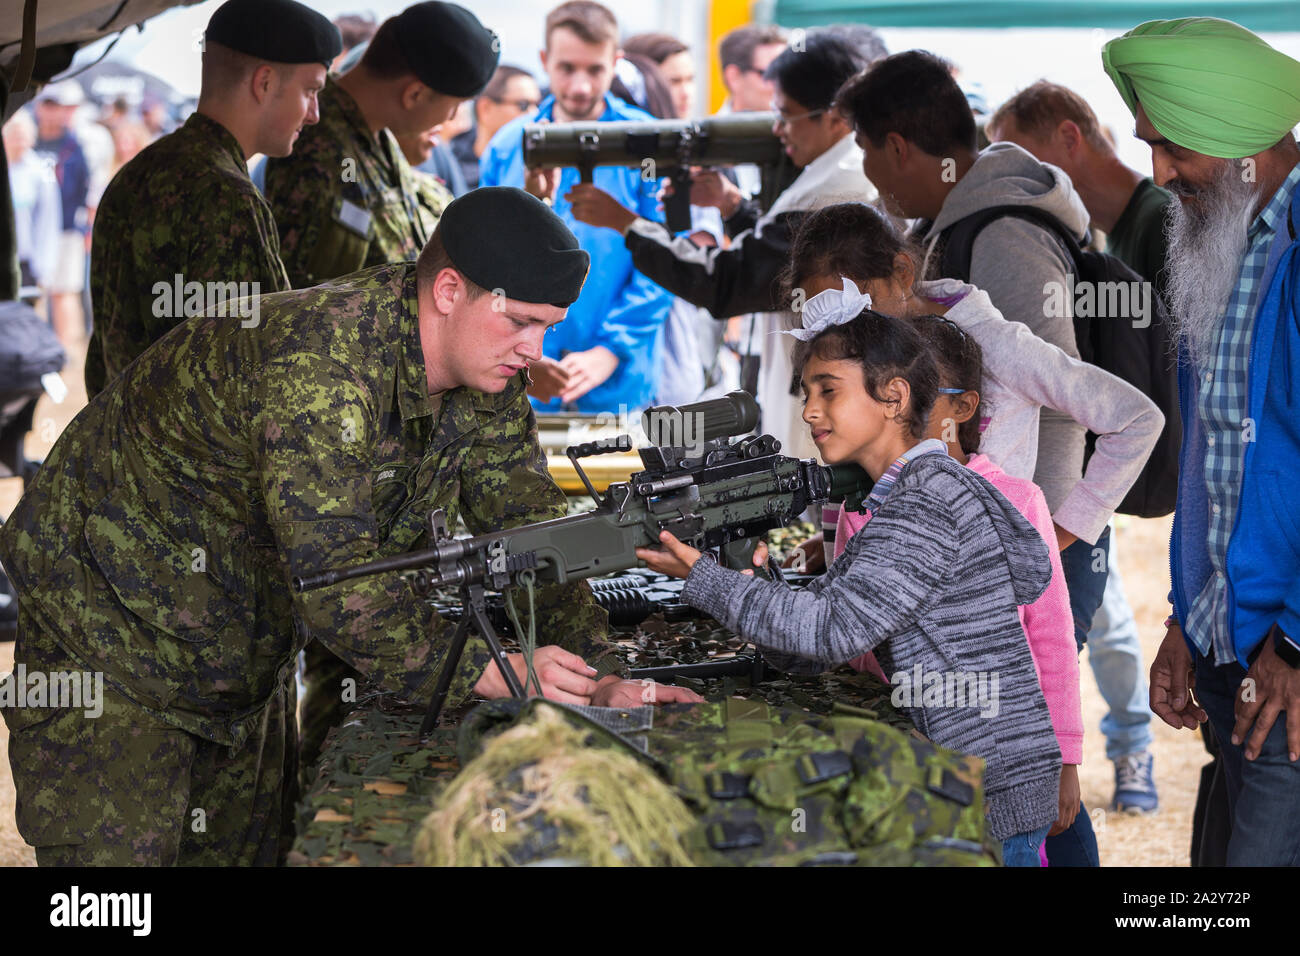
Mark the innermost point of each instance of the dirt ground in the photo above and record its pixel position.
(1161, 839)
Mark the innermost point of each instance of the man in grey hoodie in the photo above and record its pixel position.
(918, 139)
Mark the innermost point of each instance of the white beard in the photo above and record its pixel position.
(1207, 241)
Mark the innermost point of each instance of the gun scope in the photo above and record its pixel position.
(736, 413)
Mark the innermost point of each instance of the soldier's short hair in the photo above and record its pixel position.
(433, 259)
(224, 68)
(592, 22)
(1040, 108)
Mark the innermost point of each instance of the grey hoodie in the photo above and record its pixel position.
(1013, 260)
(931, 584)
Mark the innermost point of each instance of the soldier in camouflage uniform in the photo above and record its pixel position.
(346, 198)
(185, 206)
(157, 542)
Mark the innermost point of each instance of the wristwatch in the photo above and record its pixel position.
(1285, 648)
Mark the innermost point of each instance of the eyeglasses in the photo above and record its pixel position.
(522, 106)
(788, 121)
(953, 391)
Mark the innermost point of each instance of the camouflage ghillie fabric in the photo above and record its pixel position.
(539, 792)
(157, 542)
(184, 206)
(345, 199)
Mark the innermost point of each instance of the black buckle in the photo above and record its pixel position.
(952, 787)
(823, 765)
(726, 835)
(727, 786)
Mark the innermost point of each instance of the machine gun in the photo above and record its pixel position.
(664, 148)
(713, 493)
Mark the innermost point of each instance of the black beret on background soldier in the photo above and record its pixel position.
(185, 205)
(161, 554)
(346, 199)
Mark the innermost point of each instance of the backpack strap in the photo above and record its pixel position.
(959, 238)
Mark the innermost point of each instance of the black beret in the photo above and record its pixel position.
(447, 48)
(504, 238)
(281, 31)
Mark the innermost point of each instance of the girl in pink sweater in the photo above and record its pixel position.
(1048, 622)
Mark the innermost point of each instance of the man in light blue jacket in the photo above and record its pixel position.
(602, 357)
(1234, 296)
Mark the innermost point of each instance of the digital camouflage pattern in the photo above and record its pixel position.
(157, 542)
(432, 197)
(186, 206)
(128, 788)
(339, 169)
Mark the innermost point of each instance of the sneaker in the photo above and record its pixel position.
(1135, 783)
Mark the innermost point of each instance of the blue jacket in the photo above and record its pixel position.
(1263, 559)
(619, 308)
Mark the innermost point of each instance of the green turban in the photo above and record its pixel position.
(1208, 85)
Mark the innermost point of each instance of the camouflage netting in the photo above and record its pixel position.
(538, 791)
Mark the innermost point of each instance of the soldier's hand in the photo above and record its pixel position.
(1172, 682)
(640, 693)
(586, 370)
(565, 676)
(548, 379)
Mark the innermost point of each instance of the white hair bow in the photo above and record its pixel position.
(832, 307)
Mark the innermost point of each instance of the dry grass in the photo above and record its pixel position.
(1159, 840)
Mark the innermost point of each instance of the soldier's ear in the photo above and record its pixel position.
(263, 82)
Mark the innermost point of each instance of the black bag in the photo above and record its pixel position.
(1144, 357)
(28, 348)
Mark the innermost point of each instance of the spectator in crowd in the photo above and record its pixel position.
(1218, 105)
(740, 279)
(56, 140)
(684, 363)
(603, 356)
(918, 135)
(510, 93)
(673, 57)
(356, 29)
(37, 215)
(432, 194)
(745, 54)
(441, 163)
(1058, 126)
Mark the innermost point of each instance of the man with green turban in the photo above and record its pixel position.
(1217, 105)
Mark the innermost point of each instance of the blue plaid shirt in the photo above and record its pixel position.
(1221, 404)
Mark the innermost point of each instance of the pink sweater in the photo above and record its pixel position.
(1048, 622)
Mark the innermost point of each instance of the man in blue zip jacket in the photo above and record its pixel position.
(602, 357)
(1217, 106)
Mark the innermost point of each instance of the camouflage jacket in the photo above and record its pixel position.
(184, 206)
(345, 199)
(159, 538)
(432, 197)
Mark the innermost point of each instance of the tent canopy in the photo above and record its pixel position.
(1258, 15)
